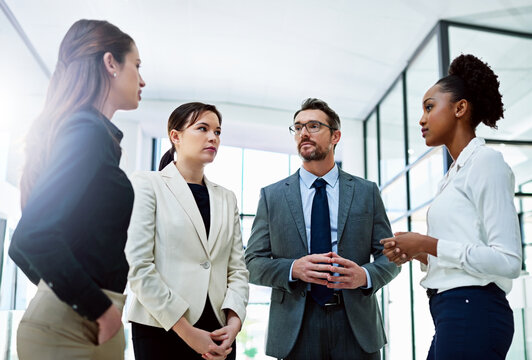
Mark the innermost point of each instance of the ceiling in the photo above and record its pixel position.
(267, 54)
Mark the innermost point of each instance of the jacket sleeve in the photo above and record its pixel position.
(40, 245)
(237, 294)
(166, 306)
(380, 270)
(263, 268)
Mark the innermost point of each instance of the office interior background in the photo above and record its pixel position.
(256, 61)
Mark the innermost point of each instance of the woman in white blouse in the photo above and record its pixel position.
(473, 248)
(184, 248)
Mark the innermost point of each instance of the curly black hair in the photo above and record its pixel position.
(473, 80)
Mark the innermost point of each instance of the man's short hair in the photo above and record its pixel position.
(317, 104)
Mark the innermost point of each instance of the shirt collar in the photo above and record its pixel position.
(468, 151)
(308, 178)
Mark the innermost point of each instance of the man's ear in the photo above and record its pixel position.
(335, 137)
(111, 66)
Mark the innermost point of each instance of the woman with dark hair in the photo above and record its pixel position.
(472, 250)
(76, 202)
(187, 270)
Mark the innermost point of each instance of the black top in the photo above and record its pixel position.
(73, 229)
(201, 195)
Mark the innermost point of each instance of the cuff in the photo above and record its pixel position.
(449, 252)
(91, 304)
(370, 284)
(290, 273)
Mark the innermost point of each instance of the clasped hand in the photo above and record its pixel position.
(203, 342)
(318, 269)
(405, 246)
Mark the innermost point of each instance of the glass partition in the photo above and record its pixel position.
(391, 130)
(372, 161)
(420, 76)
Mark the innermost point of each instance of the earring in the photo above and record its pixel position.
(114, 75)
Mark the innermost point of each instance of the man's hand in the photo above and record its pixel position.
(351, 276)
(312, 268)
(109, 324)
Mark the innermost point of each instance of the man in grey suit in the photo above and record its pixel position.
(311, 242)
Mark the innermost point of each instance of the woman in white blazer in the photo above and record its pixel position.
(187, 272)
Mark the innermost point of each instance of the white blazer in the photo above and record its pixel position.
(172, 264)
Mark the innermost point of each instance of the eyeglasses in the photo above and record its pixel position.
(312, 126)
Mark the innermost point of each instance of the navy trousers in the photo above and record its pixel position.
(473, 322)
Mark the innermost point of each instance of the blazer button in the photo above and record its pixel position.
(302, 293)
(205, 265)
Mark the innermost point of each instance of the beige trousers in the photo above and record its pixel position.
(51, 330)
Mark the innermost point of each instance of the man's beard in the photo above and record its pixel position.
(316, 155)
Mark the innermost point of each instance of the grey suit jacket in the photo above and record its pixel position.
(278, 237)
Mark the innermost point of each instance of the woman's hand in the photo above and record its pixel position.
(200, 340)
(228, 333)
(408, 245)
(109, 324)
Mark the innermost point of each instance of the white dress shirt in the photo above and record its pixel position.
(306, 180)
(474, 219)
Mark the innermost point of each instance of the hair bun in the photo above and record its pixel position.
(482, 89)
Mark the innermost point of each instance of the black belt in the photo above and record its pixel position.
(431, 292)
(336, 299)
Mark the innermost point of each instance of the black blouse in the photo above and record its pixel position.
(73, 229)
(201, 195)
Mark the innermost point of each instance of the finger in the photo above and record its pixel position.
(318, 274)
(226, 344)
(398, 257)
(219, 337)
(389, 244)
(343, 262)
(399, 233)
(338, 279)
(388, 252)
(322, 267)
(216, 350)
(219, 332)
(340, 270)
(318, 258)
(220, 351)
(386, 240)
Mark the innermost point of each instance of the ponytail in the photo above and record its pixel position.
(167, 158)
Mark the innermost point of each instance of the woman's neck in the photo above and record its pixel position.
(459, 142)
(192, 173)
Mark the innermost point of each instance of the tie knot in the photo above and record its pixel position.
(319, 183)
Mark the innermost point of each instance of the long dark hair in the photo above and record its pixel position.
(79, 81)
(181, 118)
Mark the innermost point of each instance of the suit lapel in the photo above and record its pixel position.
(216, 204)
(347, 187)
(293, 197)
(184, 197)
